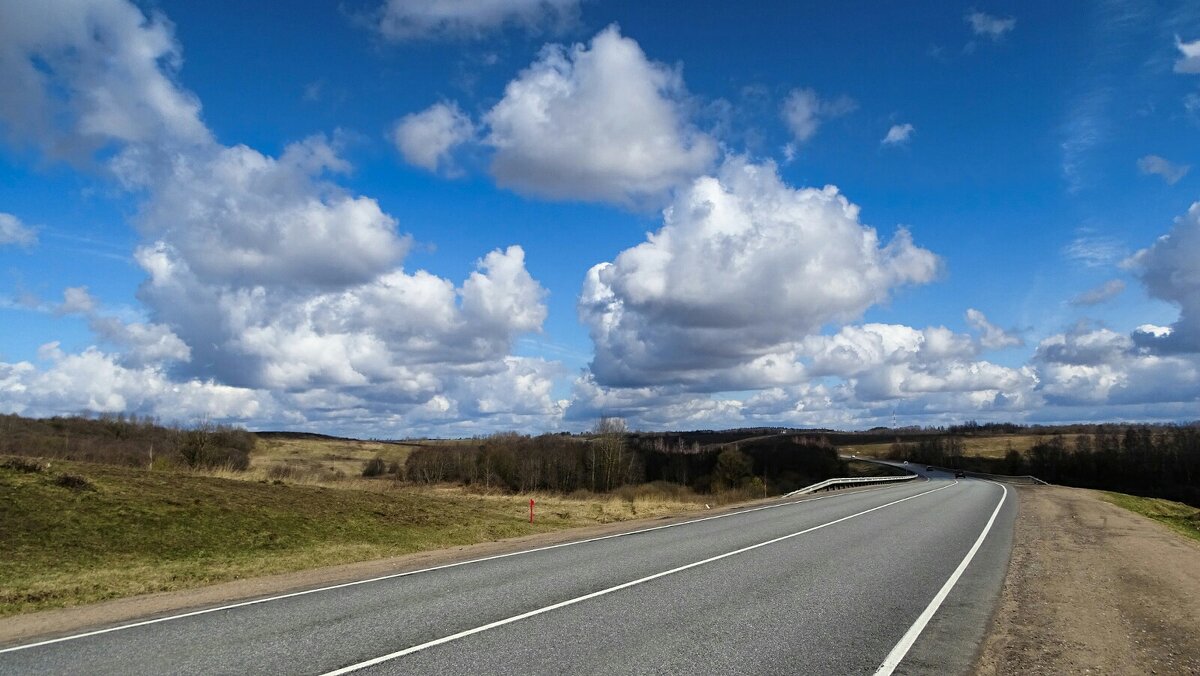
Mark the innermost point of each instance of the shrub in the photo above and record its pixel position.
(74, 482)
(374, 467)
(23, 465)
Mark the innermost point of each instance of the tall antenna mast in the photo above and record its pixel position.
(893, 418)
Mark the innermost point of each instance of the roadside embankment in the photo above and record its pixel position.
(1094, 588)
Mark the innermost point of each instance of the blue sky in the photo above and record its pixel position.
(305, 219)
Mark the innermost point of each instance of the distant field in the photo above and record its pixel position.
(323, 458)
(106, 531)
(986, 447)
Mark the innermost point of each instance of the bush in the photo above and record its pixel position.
(74, 482)
(374, 467)
(24, 465)
(208, 446)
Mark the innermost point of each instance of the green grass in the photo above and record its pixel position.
(123, 531)
(1182, 518)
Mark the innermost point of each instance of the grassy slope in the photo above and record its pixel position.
(137, 531)
(1179, 517)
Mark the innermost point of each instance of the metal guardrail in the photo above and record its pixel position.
(832, 484)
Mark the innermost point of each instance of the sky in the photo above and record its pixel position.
(397, 218)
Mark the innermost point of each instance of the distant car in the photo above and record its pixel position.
(929, 468)
(959, 474)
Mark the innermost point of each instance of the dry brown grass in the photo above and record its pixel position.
(984, 447)
(320, 460)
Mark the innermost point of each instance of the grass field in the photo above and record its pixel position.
(1182, 518)
(986, 447)
(106, 531)
(322, 458)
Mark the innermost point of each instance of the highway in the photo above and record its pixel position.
(834, 583)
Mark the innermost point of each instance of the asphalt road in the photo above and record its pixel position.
(827, 585)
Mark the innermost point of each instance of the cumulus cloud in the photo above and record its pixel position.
(1170, 269)
(993, 337)
(1189, 60)
(95, 381)
(898, 134)
(992, 27)
(804, 110)
(80, 77)
(13, 231)
(1167, 170)
(413, 19)
(266, 280)
(1087, 366)
(142, 344)
(599, 122)
(1100, 294)
(427, 139)
(743, 267)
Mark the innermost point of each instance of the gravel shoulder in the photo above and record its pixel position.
(1094, 589)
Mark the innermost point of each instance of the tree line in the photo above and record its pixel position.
(130, 440)
(610, 458)
(1158, 461)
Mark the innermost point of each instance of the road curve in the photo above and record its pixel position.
(830, 584)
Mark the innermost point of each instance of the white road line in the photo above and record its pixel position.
(609, 590)
(242, 604)
(910, 637)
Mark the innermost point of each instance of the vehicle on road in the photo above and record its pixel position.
(959, 474)
(929, 468)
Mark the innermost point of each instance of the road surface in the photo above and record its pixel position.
(835, 583)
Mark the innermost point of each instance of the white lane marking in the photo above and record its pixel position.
(242, 604)
(609, 590)
(910, 637)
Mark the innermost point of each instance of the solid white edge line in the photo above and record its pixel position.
(578, 599)
(910, 637)
(391, 576)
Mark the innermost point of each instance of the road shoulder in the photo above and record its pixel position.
(1094, 588)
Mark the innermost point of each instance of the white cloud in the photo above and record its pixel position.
(804, 111)
(13, 231)
(412, 19)
(743, 267)
(1100, 294)
(898, 134)
(240, 217)
(1095, 251)
(76, 300)
(994, 337)
(266, 280)
(143, 344)
(1189, 61)
(427, 139)
(97, 382)
(1100, 367)
(1169, 171)
(597, 123)
(78, 77)
(1170, 269)
(989, 26)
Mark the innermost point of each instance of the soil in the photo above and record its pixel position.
(1094, 589)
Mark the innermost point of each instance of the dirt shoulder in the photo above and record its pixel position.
(1094, 588)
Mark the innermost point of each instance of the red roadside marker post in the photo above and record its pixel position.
(530, 510)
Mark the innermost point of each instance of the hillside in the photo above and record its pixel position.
(78, 532)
